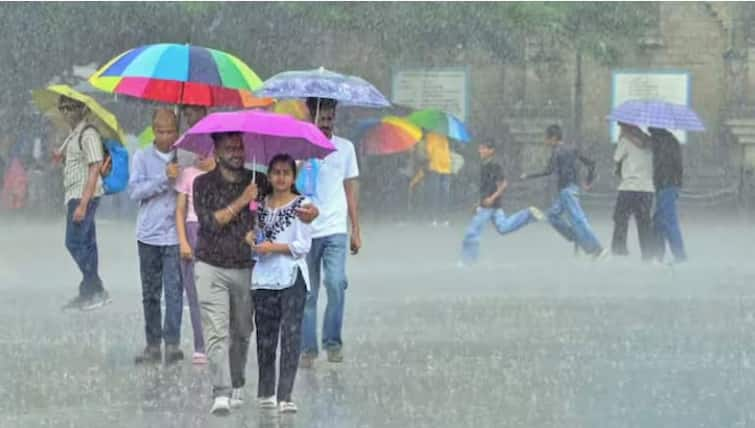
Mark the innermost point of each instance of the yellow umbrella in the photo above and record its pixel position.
(291, 107)
(47, 101)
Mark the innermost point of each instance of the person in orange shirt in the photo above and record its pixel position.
(438, 177)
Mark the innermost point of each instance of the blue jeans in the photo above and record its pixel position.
(470, 250)
(160, 268)
(666, 223)
(329, 254)
(81, 242)
(439, 188)
(577, 229)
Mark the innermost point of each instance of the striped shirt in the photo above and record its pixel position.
(78, 157)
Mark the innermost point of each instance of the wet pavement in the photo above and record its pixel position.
(531, 337)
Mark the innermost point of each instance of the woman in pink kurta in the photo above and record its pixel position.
(187, 226)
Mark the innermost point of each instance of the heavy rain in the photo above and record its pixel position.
(485, 214)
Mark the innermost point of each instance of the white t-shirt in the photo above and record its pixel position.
(331, 197)
(636, 166)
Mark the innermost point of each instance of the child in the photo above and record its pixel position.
(564, 164)
(492, 186)
(280, 283)
(187, 226)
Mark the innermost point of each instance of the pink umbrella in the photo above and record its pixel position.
(265, 135)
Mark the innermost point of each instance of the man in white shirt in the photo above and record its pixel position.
(634, 165)
(337, 198)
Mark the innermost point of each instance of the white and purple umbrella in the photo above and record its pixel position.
(322, 83)
(264, 134)
(657, 114)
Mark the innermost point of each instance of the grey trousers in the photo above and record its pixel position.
(225, 302)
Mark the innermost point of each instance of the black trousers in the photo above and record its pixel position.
(279, 313)
(637, 204)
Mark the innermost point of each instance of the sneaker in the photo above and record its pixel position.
(446, 224)
(173, 354)
(237, 398)
(221, 406)
(335, 356)
(75, 304)
(287, 407)
(267, 402)
(199, 359)
(537, 214)
(150, 355)
(307, 360)
(98, 300)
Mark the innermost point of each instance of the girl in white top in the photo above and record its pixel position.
(280, 283)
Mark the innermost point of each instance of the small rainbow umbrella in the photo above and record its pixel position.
(391, 135)
(181, 74)
(440, 122)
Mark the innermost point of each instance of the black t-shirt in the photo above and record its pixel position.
(667, 161)
(491, 173)
(223, 246)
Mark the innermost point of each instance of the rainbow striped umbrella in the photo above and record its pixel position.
(181, 74)
(391, 135)
(442, 123)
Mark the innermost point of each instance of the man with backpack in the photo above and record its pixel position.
(83, 155)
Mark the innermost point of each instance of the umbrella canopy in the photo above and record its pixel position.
(181, 74)
(106, 123)
(294, 108)
(265, 135)
(441, 122)
(322, 83)
(657, 114)
(391, 135)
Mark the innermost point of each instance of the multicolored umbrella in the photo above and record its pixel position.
(657, 114)
(181, 74)
(265, 135)
(391, 135)
(442, 123)
(294, 108)
(106, 123)
(322, 83)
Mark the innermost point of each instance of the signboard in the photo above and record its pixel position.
(671, 86)
(445, 89)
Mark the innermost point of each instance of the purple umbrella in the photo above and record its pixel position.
(265, 135)
(322, 83)
(657, 114)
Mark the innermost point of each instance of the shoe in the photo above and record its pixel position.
(150, 355)
(602, 255)
(435, 224)
(307, 360)
(75, 304)
(537, 214)
(173, 354)
(287, 407)
(267, 402)
(98, 300)
(335, 355)
(461, 265)
(199, 359)
(237, 398)
(446, 224)
(221, 406)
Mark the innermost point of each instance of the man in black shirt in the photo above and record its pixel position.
(224, 265)
(564, 164)
(492, 186)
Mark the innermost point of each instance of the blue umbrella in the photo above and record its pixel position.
(322, 83)
(657, 114)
